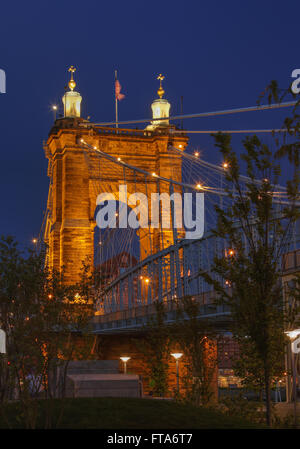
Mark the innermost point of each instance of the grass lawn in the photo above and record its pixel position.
(129, 413)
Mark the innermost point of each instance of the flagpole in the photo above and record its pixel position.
(116, 100)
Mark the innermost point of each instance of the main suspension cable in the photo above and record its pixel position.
(197, 115)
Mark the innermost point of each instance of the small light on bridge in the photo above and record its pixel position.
(196, 153)
(119, 159)
(199, 186)
(34, 240)
(180, 146)
(154, 174)
(147, 280)
(225, 165)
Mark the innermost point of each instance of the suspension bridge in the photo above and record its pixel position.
(140, 265)
(127, 301)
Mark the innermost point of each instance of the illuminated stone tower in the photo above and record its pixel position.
(70, 225)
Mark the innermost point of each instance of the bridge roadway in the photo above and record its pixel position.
(173, 273)
(135, 319)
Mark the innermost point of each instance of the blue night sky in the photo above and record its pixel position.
(216, 54)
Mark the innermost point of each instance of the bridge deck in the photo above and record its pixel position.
(136, 318)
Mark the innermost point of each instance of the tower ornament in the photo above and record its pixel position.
(160, 90)
(72, 83)
(160, 108)
(72, 99)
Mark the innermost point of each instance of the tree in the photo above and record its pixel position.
(198, 342)
(249, 367)
(255, 232)
(156, 347)
(40, 315)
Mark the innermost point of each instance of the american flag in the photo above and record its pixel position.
(118, 87)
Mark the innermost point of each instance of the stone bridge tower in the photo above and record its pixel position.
(69, 231)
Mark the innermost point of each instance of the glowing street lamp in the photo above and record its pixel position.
(177, 356)
(125, 360)
(294, 336)
(54, 109)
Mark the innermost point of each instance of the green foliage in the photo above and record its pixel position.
(240, 406)
(198, 343)
(155, 346)
(253, 411)
(249, 366)
(130, 413)
(256, 231)
(40, 317)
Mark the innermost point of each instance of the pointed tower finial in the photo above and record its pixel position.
(160, 108)
(72, 83)
(160, 90)
(72, 99)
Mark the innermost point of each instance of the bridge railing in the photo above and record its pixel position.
(140, 316)
(165, 276)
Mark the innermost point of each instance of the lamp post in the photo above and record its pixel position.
(54, 109)
(177, 356)
(125, 360)
(35, 243)
(294, 336)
